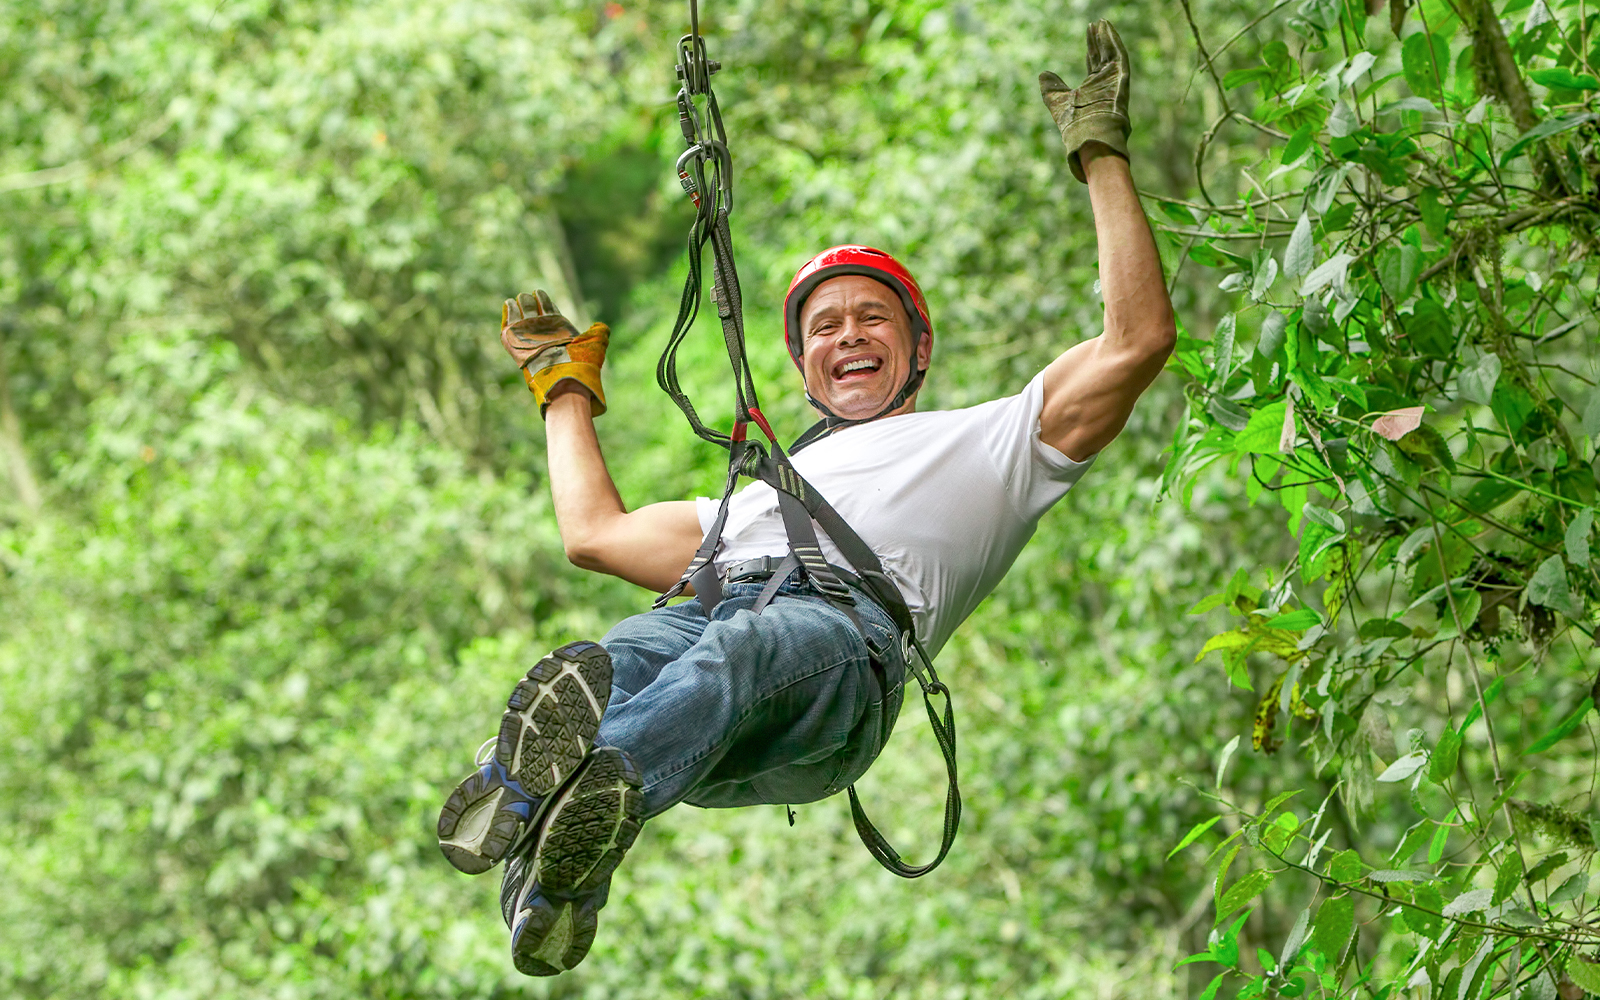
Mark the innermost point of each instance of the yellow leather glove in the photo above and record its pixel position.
(1097, 111)
(550, 350)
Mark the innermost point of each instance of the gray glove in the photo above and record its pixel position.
(1098, 110)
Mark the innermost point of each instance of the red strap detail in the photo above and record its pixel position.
(761, 421)
(738, 431)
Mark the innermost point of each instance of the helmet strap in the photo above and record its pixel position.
(831, 421)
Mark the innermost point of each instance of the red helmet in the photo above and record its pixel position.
(852, 259)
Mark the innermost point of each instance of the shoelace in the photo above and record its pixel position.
(479, 759)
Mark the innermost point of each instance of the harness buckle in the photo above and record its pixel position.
(759, 568)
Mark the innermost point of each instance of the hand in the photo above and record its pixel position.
(550, 350)
(1097, 111)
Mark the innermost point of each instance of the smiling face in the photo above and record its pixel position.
(857, 350)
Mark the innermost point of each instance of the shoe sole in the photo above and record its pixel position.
(554, 935)
(548, 727)
(589, 826)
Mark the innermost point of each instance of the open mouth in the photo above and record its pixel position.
(859, 367)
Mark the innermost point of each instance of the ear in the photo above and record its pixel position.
(924, 350)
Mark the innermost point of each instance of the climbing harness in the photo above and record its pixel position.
(706, 172)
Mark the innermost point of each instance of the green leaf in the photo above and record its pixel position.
(1271, 338)
(1475, 712)
(1210, 992)
(1334, 924)
(1299, 255)
(1265, 274)
(1248, 887)
(1569, 890)
(1591, 415)
(1384, 628)
(1561, 76)
(1342, 121)
(1429, 923)
(1476, 383)
(1404, 767)
(1228, 413)
(1548, 587)
(1471, 901)
(1194, 834)
(1577, 537)
(1227, 755)
(1329, 272)
(1261, 435)
(1545, 130)
(1546, 865)
(1276, 801)
(1445, 754)
(1426, 61)
(1441, 839)
(1297, 145)
(1222, 350)
(1346, 866)
(1183, 215)
(1208, 255)
(1397, 875)
(1511, 405)
(1585, 973)
(1209, 603)
(1434, 215)
(1240, 77)
(1301, 618)
(1398, 268)
(1296, 939)
(1507, 878)
(1563, 728)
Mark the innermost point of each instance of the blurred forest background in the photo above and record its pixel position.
(275, 538)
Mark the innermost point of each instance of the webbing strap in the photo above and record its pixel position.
(706, 553)
(878, 845)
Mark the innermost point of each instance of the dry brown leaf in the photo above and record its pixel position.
(1396, 424)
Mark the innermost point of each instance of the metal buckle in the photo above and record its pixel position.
(752, 569)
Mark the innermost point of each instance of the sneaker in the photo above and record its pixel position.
(556, 885)
(549, 726)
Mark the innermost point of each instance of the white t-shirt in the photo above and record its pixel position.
(946, 499)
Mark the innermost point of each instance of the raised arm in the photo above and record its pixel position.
(650, 546)
(1089, 391)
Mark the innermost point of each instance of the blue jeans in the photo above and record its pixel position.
(743, 709)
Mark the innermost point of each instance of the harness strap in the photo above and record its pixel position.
(878, 845)
(737, 453)
(877, 583)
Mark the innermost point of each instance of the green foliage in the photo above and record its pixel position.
(274, 535)
(1413, 402)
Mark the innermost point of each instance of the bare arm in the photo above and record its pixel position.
(650, 546)
(1089, 391)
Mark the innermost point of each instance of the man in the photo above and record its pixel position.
(792, 704)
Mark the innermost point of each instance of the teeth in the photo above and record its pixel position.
(856, 366)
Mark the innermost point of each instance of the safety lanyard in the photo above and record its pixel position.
(706, 171)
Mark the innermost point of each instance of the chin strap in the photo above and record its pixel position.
(831, 421)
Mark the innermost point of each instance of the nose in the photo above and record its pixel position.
(851, 333)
